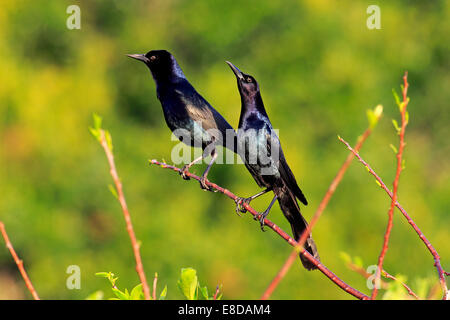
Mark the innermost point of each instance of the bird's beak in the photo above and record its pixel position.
(140, 57)
(236, 71)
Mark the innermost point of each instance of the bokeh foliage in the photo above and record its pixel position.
(319, 69)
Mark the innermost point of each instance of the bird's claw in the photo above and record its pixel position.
(184, 171)
(240, 204)
(261, 217)
(204, 184)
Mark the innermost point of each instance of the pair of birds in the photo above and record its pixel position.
(186, 110)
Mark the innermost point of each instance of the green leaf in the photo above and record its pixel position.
(95, 133)
(393, 148)
(373, 116)
(163, 294)
(109, 276)
(97, 121)
(345, 257)
(188, 283)
(121, 295)
(204, 292)
(108, 140)
(103, 274)
(137, 293)
(113, 191)
(395, 290)
(396, 97)
(97, 295)
(358, 261)
(397, 128)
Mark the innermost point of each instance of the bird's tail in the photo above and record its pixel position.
(291, 211)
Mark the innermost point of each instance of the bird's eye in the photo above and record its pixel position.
(152, 58)
(249, 79)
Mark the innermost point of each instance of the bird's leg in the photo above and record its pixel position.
(240, 201)
(204, 178)
(186, 167)
(264, 214)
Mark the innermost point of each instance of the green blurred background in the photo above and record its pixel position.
(319, 68)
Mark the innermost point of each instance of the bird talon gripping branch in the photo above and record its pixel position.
(204, 184)
(183, 173)
(240, 204)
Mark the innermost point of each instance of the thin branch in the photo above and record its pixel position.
(18, 262)
(216, 293)
(323, 204)
(126, 214)
(155, 281)
(275, 228)
(437, 259)
(410, 292)
(383, 284)
(395, 184)
(280, 275)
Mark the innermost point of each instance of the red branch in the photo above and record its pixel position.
(126, 214)
(434, 253)
(399, 154)
(277, 229)
(410, 292)
(216, 293)
(323, 204)
(18, 262)
(155, 281)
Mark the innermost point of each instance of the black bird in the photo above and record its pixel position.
(260, 149)
(190, 117)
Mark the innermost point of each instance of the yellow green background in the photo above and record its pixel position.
(319, 68)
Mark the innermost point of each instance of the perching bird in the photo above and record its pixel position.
(260, 149)
(190, 117)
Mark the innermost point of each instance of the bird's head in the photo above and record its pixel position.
(248, 86)
(161, 63)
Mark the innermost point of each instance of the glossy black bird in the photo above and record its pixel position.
(190, 117)
(260, 149)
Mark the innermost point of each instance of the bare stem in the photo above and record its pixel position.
(437, 259)
(18, 262)
(216, 293)
(155, 281)
(399, 155)
(126, 214)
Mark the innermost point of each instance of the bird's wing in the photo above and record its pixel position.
(210, 119)
(285, 172)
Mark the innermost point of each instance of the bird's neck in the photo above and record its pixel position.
(173, 74)
(252, 103)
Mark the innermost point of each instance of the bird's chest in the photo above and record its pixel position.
(258, 146)
(253, 134)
